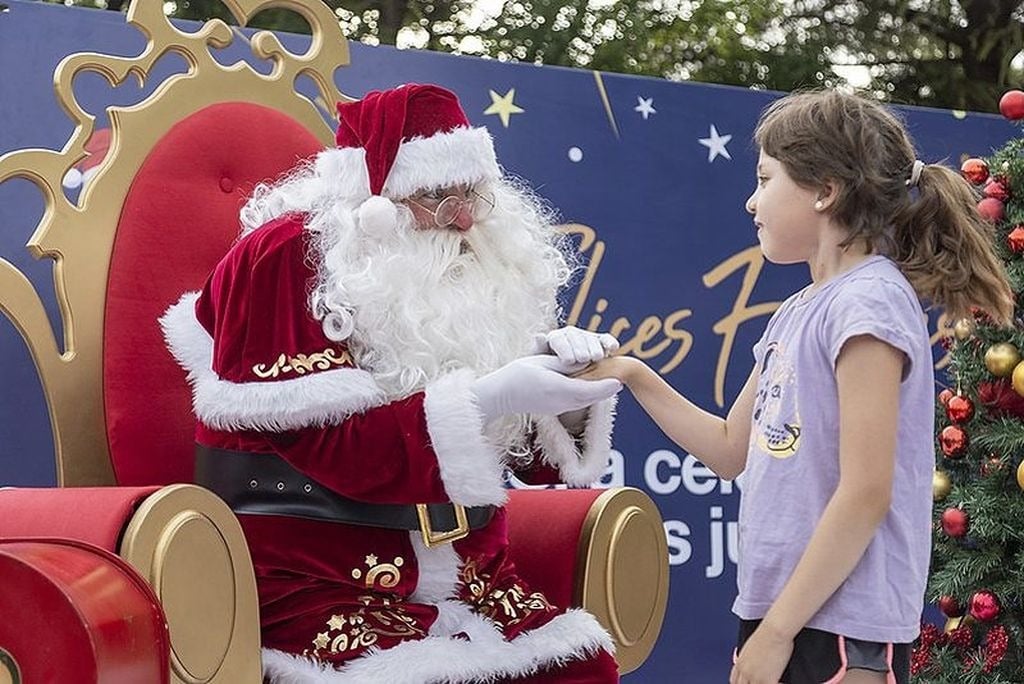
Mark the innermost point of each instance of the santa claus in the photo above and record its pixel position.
(368, 362)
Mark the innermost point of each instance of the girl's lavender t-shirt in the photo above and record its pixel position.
(793, 459)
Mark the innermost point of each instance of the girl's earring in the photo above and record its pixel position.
(819, 205)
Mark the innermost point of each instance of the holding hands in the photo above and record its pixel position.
(542, 384)
(538, 384)
(573, 345)
(625, 369)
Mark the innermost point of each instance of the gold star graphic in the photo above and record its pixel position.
(321, 640)
(503, 106)
(336, 622)
(371, 560)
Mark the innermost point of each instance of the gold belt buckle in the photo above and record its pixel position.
(432, 538)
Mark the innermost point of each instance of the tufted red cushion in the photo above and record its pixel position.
(179, 218)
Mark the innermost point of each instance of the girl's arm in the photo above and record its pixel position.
(720, 444)
(868, 373)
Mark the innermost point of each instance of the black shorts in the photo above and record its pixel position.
(822, 657)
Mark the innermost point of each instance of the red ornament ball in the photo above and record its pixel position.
(950, 607)
(985, 606)
(959, 409)
(945, 395)
(974, 170)
(1015, 239)
(955, 522)
(997, 190)
(1011, 105)
(953, 441)
(991, 209)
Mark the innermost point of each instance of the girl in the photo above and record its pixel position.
(833, 431)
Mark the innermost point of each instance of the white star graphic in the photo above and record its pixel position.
(645, 106)
(716, 144)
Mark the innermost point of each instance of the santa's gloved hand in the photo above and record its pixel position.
(538, 384)
(574, 345)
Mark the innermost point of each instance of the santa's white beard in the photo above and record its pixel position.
(427, 302)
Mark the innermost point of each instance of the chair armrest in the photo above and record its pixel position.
(74, 612)
(186, 543)
(602, 550)
(95, 515)
(544, 530)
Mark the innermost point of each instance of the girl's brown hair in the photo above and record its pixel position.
(938, 238)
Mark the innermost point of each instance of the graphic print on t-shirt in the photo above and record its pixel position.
(776, 417)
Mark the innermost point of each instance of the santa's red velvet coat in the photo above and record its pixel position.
(348, 603)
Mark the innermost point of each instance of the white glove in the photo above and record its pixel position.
(574, 345)
(537, 384)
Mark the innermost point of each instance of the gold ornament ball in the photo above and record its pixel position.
(941, 485)
(963, 328)
(1001, 359)
(1018, 379)
(1020, 475)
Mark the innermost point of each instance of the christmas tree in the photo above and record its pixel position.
(977, 573)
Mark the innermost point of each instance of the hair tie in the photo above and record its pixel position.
(915, 173)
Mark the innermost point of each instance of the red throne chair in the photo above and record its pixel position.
(125, 573)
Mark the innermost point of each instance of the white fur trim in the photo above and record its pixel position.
(485, 657)
(578, 467)
(472, 469)
(438, 571)
(318, 399)
(345, 170)
(455, 617)
(464, 156)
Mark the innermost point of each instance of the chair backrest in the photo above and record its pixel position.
(178, 220)
(155, 217)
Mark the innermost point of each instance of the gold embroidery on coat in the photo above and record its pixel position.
(389, 573)
(505, 606)
(302, 364)
(353, 632)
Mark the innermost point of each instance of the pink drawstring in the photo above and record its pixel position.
(838, 676)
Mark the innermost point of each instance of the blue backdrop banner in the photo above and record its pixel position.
(651, 176)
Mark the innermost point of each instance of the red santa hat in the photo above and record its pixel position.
(407, 140)
(96, 151)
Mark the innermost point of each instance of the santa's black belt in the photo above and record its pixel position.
(255, 483)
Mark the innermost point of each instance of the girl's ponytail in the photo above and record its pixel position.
(946, 249)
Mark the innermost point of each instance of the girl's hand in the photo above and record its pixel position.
(763, 658)
(621, 368)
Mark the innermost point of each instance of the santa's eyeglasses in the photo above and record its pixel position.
(479, 201)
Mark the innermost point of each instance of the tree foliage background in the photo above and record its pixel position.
(959, 54)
